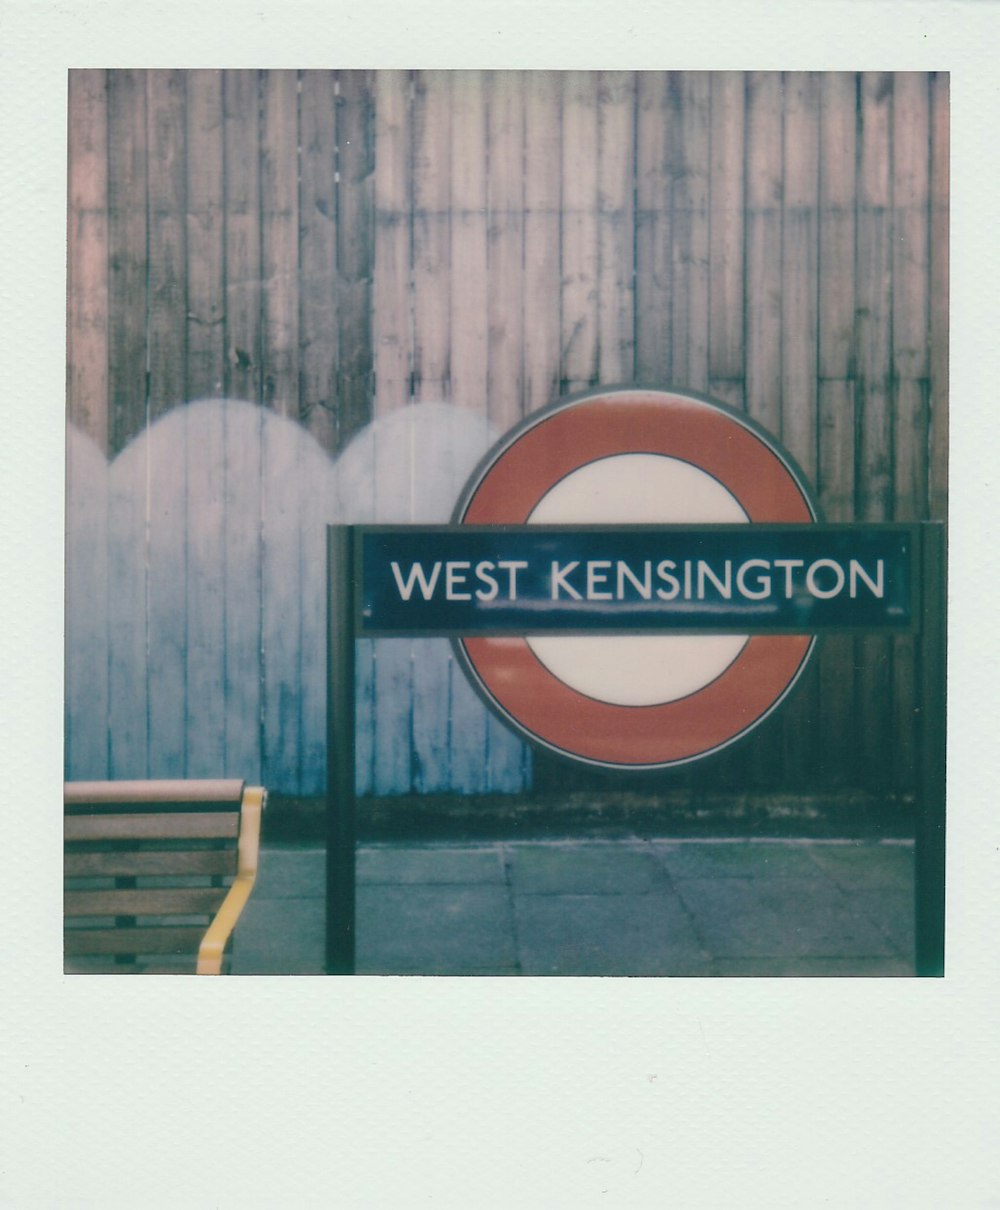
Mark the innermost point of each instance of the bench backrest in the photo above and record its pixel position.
(147, 865)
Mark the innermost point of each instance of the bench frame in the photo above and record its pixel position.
(176, 794)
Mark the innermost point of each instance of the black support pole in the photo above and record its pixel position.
(930, 818)
(340, 794)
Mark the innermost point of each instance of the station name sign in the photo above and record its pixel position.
(535, 579)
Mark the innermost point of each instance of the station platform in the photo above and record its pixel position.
(610, 907)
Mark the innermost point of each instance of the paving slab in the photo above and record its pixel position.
(442, 929)
(893, 911)
(859, 866)
(606, 935)
(735, 859)
(290, 874)
(744, 918)
(283, 936)
(607, 867)
(575, 907)
(431, 866)
(811, 968)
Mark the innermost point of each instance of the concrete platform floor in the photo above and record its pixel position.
(595, 907)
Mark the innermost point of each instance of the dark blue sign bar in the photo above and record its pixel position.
(788, 579)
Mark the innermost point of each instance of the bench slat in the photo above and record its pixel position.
(155, 863)
(155, 901)
(78, 793)
(185, 826)
(163, 940)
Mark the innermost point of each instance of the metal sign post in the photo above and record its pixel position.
(340, 784)
(777, 585)
(929, 847)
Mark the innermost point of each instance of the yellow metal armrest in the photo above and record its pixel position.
(214, 942)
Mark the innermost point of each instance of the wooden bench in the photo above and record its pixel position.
(156, 873)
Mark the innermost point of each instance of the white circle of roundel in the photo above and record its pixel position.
(633, 489)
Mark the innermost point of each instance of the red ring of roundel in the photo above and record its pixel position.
(635, 422)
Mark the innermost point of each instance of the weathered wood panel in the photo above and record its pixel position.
(205, 364)
(541, 294)
(653, 314)
(392, 319)
(939, 253)
(725, 253)
(504, 249)
(431, 219)
(836, 390)
(86, 715)
(279, 207)
(690, 171)
(874, 484)
(799, 351)
(241, 156)
(319, 290)
(166, 285)
(128, 276)
(355, 250)
(332, 246)
(578, 245)
(87, 255)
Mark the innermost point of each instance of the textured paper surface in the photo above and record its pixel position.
(408, 1092)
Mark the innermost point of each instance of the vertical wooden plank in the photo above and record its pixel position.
(281, 574)
(318, 284)
(504, 93)
(939, 289)
(167, 332)
(725, 258)
(241, 475)
(87, 255)
(800, 340)
(800, 269)
(431, 234)
(279, 207)
(690, 165)
(168, 528)
(911, 145)
(206, 353)
(392, 335)
(838, 123)
(128, 686)
(432, 275)
(578, 241)
(394, 344)
(541, 300)
(764, 185)
(874, 297)
(653, 343)
(762, 306)
(127, 255)
(505, 201)
(355, 251)
(467, 742)
(205, 459)
(393, 479)
(468, 318)
(281, 601)
(835, 393)
(616, 226)
(166, 443)
(86, 608)
(875, 429)
(241, 110)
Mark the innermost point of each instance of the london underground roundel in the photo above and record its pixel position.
(633, 456)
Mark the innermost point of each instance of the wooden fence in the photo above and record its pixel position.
(335, 247)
